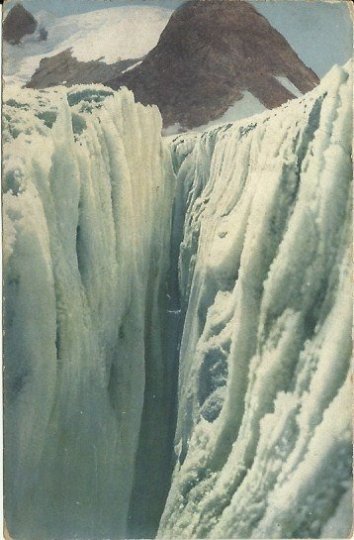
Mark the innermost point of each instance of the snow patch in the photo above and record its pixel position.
(242, 108)
(284, 81)
(132, 67)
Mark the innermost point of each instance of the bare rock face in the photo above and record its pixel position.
(210, 52)
(64, 68)
(18, 23)
(43, 34)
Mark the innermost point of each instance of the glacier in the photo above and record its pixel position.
(177, 319)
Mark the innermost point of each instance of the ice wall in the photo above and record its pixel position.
(88, 190)
(264, 402)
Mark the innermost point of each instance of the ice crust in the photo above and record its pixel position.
(123, 252)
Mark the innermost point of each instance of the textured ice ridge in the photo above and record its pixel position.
(88, 190)
(263, 435)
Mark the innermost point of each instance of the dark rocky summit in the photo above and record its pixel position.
(209, 54)
(18, 23)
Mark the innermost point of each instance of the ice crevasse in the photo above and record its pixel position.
(239, 237)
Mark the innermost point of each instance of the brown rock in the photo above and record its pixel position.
(64, 68)
(18, 23)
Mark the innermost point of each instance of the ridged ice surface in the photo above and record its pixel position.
(250, 289)
(88, 190)
(264, 413)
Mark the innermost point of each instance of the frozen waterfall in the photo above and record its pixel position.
(177, 319)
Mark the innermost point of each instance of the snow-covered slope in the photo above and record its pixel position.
(87, 200)
(264, 426)
(109, 34)
(251, 290)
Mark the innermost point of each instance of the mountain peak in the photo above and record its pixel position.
(210, 53)
(18, 23)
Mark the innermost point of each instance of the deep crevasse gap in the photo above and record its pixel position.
(264, 427)
(88, 190)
